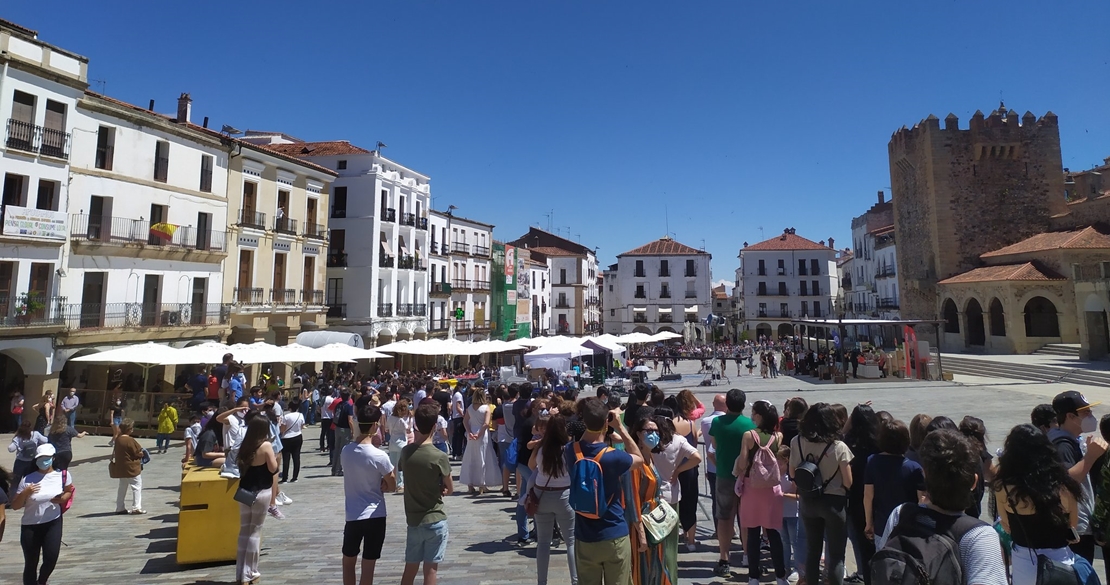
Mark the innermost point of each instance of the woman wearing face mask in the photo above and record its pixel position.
(42, 494)
(127, 466)
(674, 457)
(652, 564)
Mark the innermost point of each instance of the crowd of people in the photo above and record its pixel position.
(617, 480)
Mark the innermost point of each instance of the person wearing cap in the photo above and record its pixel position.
(42, 494)
(1074, 416)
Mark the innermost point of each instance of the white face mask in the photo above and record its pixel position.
(1089, 424)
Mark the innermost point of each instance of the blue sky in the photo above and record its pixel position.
(722, 116)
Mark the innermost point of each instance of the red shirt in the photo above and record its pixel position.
(213, 387)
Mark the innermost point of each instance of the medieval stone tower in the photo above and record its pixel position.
(960, 193)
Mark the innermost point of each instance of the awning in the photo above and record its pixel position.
(639, 309)
(404, 251)
(385, 250)
(322, 338)
(693, 309)
(664, 309)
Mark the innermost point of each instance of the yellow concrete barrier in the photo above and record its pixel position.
(208, 523)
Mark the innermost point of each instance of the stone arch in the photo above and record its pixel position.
(666, 329)
(642, 329)
(951, 316)
(976, 333)
(785, 330)
(763, 329)
(403, 334)
(1041, 319)
(998, 318)
(384, 336)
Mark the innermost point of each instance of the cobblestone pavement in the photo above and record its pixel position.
(304, 548)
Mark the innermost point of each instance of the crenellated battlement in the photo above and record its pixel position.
(1002, 127)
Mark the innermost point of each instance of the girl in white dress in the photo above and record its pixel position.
(479, 466)
(399, 426)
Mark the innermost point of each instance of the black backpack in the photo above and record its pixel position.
(923, 549)
(807, 476)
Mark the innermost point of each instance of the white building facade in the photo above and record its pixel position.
(661, 286)
(540, 291)
(784, 278)
(872, 289)
(378, 246)
(575, 300)
(461, 249)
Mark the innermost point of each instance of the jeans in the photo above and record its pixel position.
(800, 548)
(162, 441)
(826, 520)
(789, 542)
(71, 418)
(863, 547)
(36, 539)
(426, 543)
(775, 540)
(525, 474)
(395, 456)
(554, 508)
(342, 437)
(458, 438)
(135, 486)
(608, 562)
(308, 412)
(291, 450)
(327, 434)
(250, 536)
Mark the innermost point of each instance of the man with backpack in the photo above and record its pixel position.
(602, 550)
(1074, 417)
(937, 543)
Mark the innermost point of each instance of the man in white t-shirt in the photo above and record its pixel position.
(327, 434)
(458, 434)
(719, 408)
(367, 473)
(234, 432)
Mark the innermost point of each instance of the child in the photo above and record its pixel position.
(790, 524)
(191, 434)
(167, 424)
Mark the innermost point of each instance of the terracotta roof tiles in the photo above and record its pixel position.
(664, 246)
(785, 241)
(1087, 238)
(552, 251)
(1008, 272)
(324, 148)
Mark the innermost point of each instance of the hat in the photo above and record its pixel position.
(45, 450)
(1071, 401)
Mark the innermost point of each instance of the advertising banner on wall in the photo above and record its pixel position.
(510, 266)
(35, 223)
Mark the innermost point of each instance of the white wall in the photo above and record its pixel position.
(828, 281)
(624, 301)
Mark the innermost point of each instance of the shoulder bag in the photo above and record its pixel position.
(1049, 572)
(532, 501)
(659, 522)
(72, 494)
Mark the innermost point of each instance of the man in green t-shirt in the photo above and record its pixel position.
(428, 472)
(727, 434)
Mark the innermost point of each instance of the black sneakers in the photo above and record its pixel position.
(722, 569)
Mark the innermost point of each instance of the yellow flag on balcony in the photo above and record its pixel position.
(163, 230)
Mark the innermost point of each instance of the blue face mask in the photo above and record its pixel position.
(652, 439)
(44, 463)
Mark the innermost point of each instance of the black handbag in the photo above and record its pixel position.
(245, 497)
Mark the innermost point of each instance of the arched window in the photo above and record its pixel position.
(1040, 318)
(976, 333)
(951, 317)
(998, 319)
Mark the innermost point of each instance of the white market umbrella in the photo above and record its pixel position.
(405, 347)
(334, 352)
(635, 338)
(205, 353)
(146, 354)
(641, 369)
(665, 335)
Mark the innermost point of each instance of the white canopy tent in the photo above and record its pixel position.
(665, 335)
(557, 354)
(635, 338)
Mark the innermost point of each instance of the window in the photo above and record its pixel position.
(763, 268)
(782, 267)
(161, 161)
(612, 312)
(803, 289)
(815, 267)
(206, 173)
(562, 276)
(762, 289)
(664, 291)
(54, 135)
(691, 268)
(610, 288)
(784, 310)
(335, 291)
(664, 268)
(15, 189)
(762, 309)
(805, 308)
(1076, 272)
(1105, 267)
(640, 294)
(21, 126)
(782, 289)
(691, 292)
(816, 288)
(341, 165)
(816, 309)
(105, 146)
(640, 269)
(801, 267)
(48, 195)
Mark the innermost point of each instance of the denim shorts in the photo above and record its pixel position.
(426, 543)
(116, 420)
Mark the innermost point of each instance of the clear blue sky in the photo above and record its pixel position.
(733, 115)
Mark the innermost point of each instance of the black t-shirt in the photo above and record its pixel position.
(63, 441)
(443, 397)
(206, 443)
(342, 412)
(524, 435)
(117, 408)
(635, 413)
(575, 428)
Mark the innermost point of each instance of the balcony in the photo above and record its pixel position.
(421, 223)
(337, 260)
(283, 296)
(408, 219)
(420, 265)
(640, 294)
(252, 219)
(389, 214)
(285, 225)
(481, 285)
(481, 251)
(315, 231)
(888, 303)
(125, 315)
(691, 272)
(385, 310)
(639, 274)
(460, 284)
(593, 327)
(563, 330)
(460, 248)
(337, 311)
(420, 310)
(440, 289)
(339, 212)
(405, 310)
(386, 261)
(89, 233)
(664, 294)
(31, 310)
(436, 250)
(406, 262)
(884, 272)
(250, 297)
(593, 302)
(664, 272)
(312, 297)
(562, 304)
(30, 138)
(761, 272)
(463, 325)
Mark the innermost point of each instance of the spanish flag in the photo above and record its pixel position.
(163, 230)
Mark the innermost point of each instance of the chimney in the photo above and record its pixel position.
(822, 242)
(831, 245)
(151, 106)
(184, 108)
(882, 197)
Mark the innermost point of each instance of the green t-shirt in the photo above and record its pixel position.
(728, 430)
(424, 467)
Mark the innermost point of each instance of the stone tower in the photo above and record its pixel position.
(960, 193)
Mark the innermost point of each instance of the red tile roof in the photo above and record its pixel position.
(664, 246)
(324, 148)
(552, 251)
(1087, 238)
(1007, 272)
(785, 241)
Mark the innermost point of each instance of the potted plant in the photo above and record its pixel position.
(28, 307)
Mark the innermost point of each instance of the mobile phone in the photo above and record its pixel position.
(1074, 535)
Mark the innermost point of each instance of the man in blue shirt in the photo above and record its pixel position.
(602, 551)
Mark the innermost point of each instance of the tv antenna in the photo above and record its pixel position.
(549, 215)
(666, 218)
(760, 232)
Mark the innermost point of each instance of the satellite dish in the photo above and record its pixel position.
(229, 130)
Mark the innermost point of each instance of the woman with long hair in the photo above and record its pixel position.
(1037, 502)
(45, 410)
(61, 436)
(761, 506)
(479, 466)
(652, 564)
(687, 426)
(270, 411)
(551, 485)
(23, 444)
(257, 466)
(973, 428)
(824, 517)
(862, 437)
(292, 439)
(399, 427)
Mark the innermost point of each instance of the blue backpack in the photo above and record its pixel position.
(587, 484)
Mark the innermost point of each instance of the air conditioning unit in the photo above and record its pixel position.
(171, 318)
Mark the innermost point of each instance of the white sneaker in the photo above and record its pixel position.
(792, 578)
(284, 499)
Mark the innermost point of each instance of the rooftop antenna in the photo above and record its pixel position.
(381, 145)
(102, 83)
(703, 244)
(578, 237)
(761, 232)
(667, 217)
(230, 130)
(549, 215)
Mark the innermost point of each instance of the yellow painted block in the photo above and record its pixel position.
(208, 523)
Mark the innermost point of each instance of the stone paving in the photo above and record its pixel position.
(101, 547)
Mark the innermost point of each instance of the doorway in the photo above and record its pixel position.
(152, 300)
(158, 214)
(1098, 335)
(976, 330)
(308, 282)
(199, 302)
(92, 299)
(100, 219)
(279, 280)
(246, 276)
